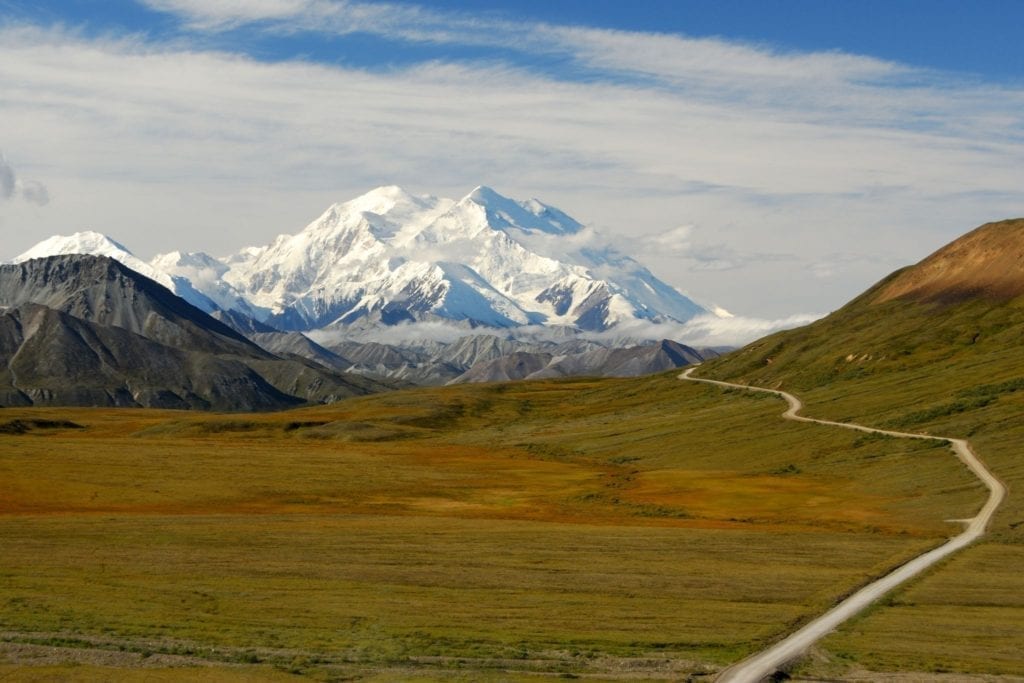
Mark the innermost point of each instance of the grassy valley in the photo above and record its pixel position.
(615, 528)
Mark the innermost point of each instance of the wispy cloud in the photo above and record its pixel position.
(817, 84)
(683, 243)
(224, 14)
(11, 186)
(337, 17)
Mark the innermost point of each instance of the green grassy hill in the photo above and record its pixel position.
(936, 348)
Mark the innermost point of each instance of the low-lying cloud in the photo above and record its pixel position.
(701, 331)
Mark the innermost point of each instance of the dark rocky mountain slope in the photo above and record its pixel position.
(88, 331)
(54, 359)
(103, 291)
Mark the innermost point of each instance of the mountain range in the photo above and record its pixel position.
(507, 289)
(514, 286)
(390, 257)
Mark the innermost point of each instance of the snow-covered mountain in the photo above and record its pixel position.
(96, 244)
(390, 257)
(206, 274)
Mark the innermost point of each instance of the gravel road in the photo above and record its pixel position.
(764, 664)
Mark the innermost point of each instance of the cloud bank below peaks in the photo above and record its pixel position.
(706, 331)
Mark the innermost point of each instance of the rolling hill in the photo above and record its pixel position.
(942, 327)
(937, 347)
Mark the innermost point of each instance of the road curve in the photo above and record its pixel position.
(763, 664)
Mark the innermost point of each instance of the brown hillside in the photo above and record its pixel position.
(985, 263)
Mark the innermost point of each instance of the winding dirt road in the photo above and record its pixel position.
(765, 663)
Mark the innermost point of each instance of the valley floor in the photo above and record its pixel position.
(617, 529)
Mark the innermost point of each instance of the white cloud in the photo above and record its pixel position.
(676, 240)
(683, 243)
(221, 14)
(737, 330)
(11, 186)
(337, 17)
(704, 330)
(777, 160)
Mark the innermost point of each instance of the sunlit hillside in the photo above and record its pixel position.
(936, 348)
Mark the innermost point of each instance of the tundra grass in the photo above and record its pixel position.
(951, 370)
(615, 528)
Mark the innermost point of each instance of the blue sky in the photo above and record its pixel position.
(976, 38)
(771, 157)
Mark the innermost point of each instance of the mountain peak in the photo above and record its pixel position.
(394, 192)
(532, 215)
(384, 199)
(84, 242)
(92, 243)
(483, 194)
(193, 261)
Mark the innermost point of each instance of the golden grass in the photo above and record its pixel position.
(573, 527)
(945, 623)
